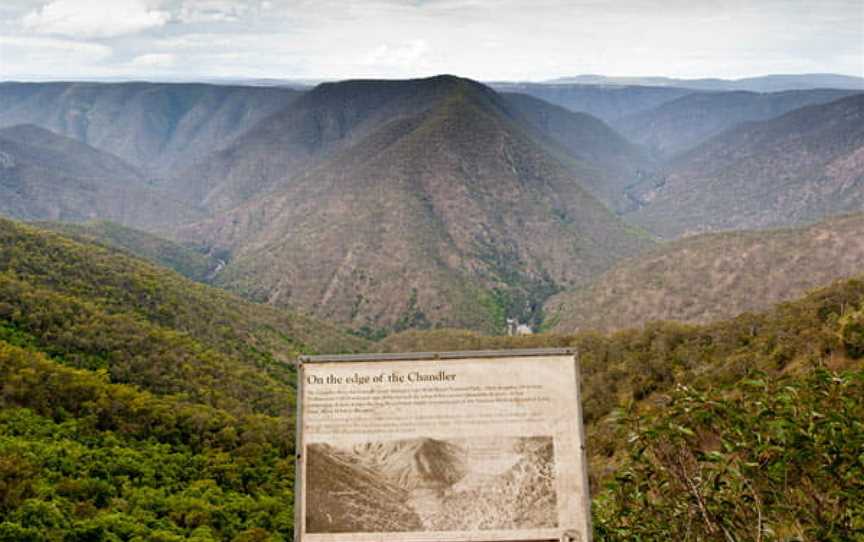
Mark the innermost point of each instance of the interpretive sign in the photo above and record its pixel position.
(450, 446)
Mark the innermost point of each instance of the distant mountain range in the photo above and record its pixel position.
(604, 102)
(796, 168)
(407, 203)
(386, 205)
(714, 276)
(155, 127)
(683, 123)
(45, 176)
(764, 83)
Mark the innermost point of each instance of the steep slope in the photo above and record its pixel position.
(191, 264)
(714, 276)
(417, 463)
(156, 127)
(45, 176)
(435, 217)
(344, 497)
(331, 117)
(81, 454)
(684, 123)
(608, 165)
(605, 102)
(135, 403)
(800, 167)
(106, 280)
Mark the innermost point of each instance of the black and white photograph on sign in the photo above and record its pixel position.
(426, 484)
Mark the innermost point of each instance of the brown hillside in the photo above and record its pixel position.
(46, 176)
(157, 127)
(454, 215)
(685, 122)
(797, 168)
(714, 276)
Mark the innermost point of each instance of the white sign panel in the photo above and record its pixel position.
(458, 448)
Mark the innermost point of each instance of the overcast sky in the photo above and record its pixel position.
(482, 39)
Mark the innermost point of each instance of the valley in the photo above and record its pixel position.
(388, 205)
(168, 250)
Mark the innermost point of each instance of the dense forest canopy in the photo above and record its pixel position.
(137, 405)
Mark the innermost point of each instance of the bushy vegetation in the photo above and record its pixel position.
(764, 459)
(747, 429)
(84, 459)
(712, 277)
(188, 262)
(137, 405)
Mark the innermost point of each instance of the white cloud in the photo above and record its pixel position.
(204, 11)
(483, 39)
(94, 18)
(154, 60)
(406, 54)
(35, 47)
(24, 55)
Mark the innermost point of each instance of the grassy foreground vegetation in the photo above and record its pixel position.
(136, 405)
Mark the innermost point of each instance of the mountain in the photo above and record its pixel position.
(426, 210)
(604, 102)
(138, 403)
(331, 117)
(606, 162)
(685, 122)
(102, 281)
(796, 168)
(189, 263)
(714, 276)
(45, 176)
(746, 404)
(417, 463)
(344, 497)
(764, 83)
(156, 127)
(335, 116)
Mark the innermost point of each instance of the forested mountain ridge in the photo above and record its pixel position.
(713, 276)
(682, 124)
(138, 405)
(797, 168)
(165, 452)
(328, 118)
(156, 127)
(190, 263)
(45, 176)
(431, 218)
(113, 282)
